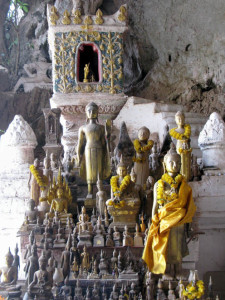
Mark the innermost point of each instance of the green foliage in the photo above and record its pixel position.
(17, 9)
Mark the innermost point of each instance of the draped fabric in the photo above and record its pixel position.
(177, 212)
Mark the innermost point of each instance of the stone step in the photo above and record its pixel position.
(163, 107)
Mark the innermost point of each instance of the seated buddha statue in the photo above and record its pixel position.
(8, 272)
(125, 201)
(60, 204)
(42, 281)
(173, 207)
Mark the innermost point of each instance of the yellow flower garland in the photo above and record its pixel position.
(118, 190)
(181, 136)
(194, 291)
(185, 151)
(42, 181)
(173, 182)
(139, 148)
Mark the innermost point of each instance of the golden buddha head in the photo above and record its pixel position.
(180, 119)
(172, 161)
(9, 259)
(143, 134)
(91, 111)
(121, 169)
(83, 210)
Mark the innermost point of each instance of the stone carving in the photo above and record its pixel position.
(213, 131)
(211, 141)
(52, 127)
(38, 76)
(19, 133)
(103, 109)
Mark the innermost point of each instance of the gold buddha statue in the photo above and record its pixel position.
(173, 206)
(182, 135)
(92, 154)
(59, 199)
(8, 273)
(60, 204)
(125, 201)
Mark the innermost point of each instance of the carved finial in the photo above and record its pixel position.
(66, 18)
(99, 20)
(123, 13)
(54, 15)
(77, 17)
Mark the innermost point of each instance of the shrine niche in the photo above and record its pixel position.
(88, 58)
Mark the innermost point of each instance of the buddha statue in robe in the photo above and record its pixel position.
(181, 134)
(142, 147)
(92, 154)
(173, 207)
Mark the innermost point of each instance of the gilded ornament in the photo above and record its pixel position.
(99, 20)
(54, 15)
(66, 18)
(77, 17)
(102, 47)
(88, 20)
(123, 14)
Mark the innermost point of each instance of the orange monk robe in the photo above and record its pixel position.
(174, 213)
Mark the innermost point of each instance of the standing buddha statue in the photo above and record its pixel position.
(92, 153)
(182, 135)
(142, 147)
(173, 206)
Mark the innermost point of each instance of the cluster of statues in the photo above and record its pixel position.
(117, 220)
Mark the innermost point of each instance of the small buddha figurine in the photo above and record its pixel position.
(60, 204)
(85, 264)
(99, 231)
(66, 289)
(16, 260)
(65, 258)
(29, 246)
(127, 239)
(171, 193)
(114, 259)
(53, 162)
(101, 198)
(116, 237)
(109, 241)
(51, 265)
(31, 213)
(42, 282)
(142, 147)
(154, 157)
(182, 135)
(43, 206)
(149, 195)
(36, 181)
(103, 266)
(9, 272)
(86, 72)
(138, 240)
(32, 265)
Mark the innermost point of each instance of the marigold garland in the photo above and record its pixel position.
(173, 182)
(119, 204)
(118, 190)
(140, 149)
(42, 181)
(185, 151)
(181, 136)
(194, 291)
